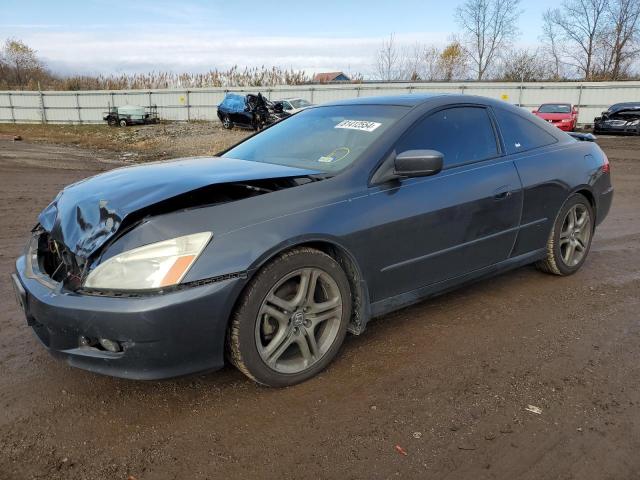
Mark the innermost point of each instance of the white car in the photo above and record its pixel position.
(294, 105)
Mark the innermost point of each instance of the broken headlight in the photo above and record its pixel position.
(157, 265)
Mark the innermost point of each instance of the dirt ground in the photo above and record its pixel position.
(135, 143)
(438, 390)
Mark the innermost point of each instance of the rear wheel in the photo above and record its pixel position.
(292, 319)
(570, 238)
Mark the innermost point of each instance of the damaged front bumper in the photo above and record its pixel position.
(160, 335)
(616, 126)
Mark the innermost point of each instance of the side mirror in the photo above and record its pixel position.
(575, 111)
(418, 163)
(534, 111)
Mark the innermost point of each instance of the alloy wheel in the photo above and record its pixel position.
(575, 235)
(298, 320)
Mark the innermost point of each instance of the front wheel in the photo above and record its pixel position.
(570, 239)
(226, 122)
(292, 319)
(123, 123)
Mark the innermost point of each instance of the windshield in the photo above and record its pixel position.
(327, 139)
(555, 108)
(299, 103)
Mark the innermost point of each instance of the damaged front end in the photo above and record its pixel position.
(619, 118)
(77, 228)
(55, 261)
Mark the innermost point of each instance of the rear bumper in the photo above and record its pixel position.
(604, 205)
(162, 335)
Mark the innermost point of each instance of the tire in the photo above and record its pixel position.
(564, 237)
(122, 123)
(112, 122)
(269, 349)
(227, 123)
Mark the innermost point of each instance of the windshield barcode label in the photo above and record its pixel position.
(358, 125)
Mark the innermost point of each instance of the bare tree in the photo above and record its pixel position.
(551, 45)
(581, 24)
(523, 66)
(621, 38)
(488, 26)
(389, 60)
(431, 68)
(412, 63)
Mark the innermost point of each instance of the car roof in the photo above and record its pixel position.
(418, 99)
(401, 100)
(625, 105)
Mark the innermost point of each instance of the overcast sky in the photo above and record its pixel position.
(92, 36)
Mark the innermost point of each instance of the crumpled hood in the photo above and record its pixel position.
(86, 214)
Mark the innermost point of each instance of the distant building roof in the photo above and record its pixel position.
(327, 77)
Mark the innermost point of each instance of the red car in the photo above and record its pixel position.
(562, 115)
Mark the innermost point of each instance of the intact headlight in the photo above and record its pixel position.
(160, 264)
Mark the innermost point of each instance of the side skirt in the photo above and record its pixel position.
(391, 304)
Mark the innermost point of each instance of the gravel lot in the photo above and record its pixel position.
(438, 390)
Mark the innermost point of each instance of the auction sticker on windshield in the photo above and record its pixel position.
(363, 125)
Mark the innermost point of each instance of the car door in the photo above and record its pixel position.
(462, 219)
(531, 148)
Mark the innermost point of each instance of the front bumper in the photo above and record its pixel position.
(624, 129)
(565, 127)
(162, 335)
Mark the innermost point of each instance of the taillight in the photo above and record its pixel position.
(606, 167)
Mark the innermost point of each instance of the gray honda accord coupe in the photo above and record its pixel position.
(270, 253)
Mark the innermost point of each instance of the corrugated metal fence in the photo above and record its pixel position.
(200, 104)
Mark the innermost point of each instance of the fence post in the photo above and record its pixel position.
(312, 90)
(13, 113)
(43, 114)
(579, 101)
(520, 96)
(188, 107)
(78, 107)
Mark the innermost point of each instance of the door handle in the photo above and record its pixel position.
(502, 193)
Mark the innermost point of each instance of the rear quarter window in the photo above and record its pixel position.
(520, 134)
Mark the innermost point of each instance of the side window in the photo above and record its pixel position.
(520, 134)
(462, 134)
